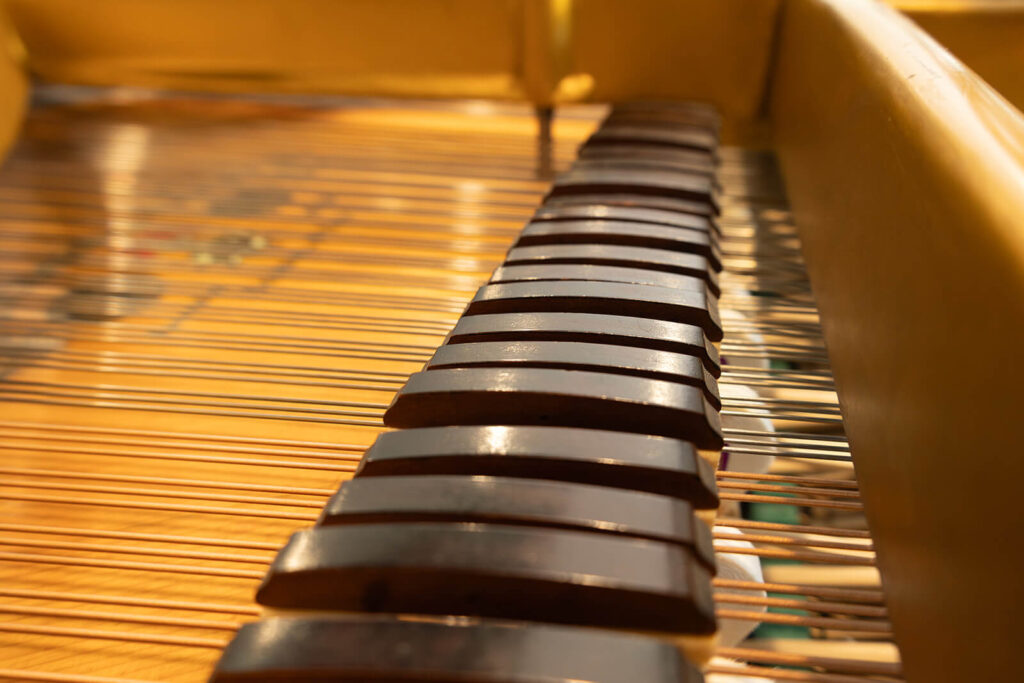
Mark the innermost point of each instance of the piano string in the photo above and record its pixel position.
(210, 303)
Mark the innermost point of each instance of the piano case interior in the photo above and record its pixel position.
(233, 236)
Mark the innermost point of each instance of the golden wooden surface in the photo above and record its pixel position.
(906, 175)
(444, 48)
(986, 35)
(13, 84)
(541, 51)
(718, 52)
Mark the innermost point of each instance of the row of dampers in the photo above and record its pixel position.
(543, 512)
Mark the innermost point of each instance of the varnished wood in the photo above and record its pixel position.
(600, 457)
(933, 158)
(520, 502)
(382, 648)
(493, 570)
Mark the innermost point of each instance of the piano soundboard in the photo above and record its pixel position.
(213, 305)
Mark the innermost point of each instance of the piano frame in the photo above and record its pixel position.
(906, 176)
